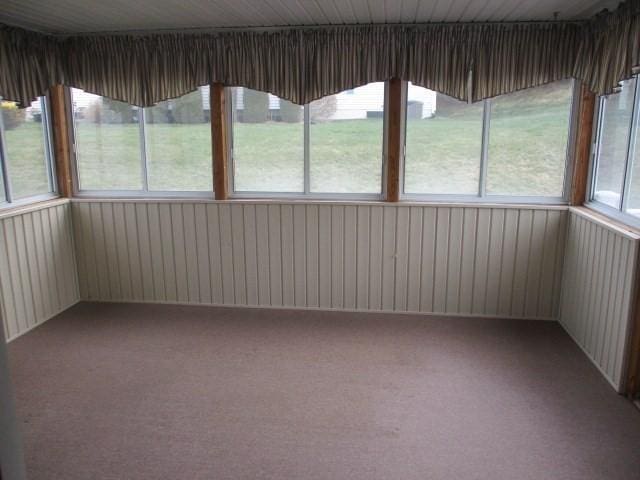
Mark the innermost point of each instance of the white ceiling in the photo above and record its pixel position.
(140, 15)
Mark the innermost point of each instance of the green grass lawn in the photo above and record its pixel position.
(26, 160)
(526, 154)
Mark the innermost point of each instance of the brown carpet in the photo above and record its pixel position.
(120, 391)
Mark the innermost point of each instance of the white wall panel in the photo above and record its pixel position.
(502, 261)
(598, 284)
(37, 266)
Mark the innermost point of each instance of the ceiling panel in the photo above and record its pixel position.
(74, 16)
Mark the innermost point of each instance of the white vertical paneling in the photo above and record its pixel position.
(78, 224)
(401, 258)
(535, 253)
(375, 258)
(349, 281)
(312, 258)
(454, 260)
(135, 261)
(262, 226)
(300, 255)
(441, 260)
(102, 222)
(191, 252)
(168, 258)
(288, 275)
(337, 256)
(548, 275)
(179, 252)
(388, 257)
(275, 253)
(597, 286)
(468, 260)
(202, 253)
(123, 251)
(324, 255)
(146, 254)
(226, 254)
(215, 253)
(494, 267)
(508, 264)
(428, 254)
(238, 254)
(363, 248)
(157, 252)
(251, 254)
(521, 264)
(24, 284)
(483, 247)
(38, 271)
(414, 259)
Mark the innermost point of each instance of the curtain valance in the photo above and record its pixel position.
(467, 61)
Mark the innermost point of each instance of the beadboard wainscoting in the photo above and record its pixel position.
(598, 286)
(38, 277)
(488, 261)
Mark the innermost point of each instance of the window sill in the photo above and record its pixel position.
(31, 204)
(325, 201)
(611, 218)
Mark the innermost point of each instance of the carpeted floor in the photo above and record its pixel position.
(121, 391)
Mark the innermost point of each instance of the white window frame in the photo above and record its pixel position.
(482, 196)
(306, 194)
(133, 193)
(8, 201)
(619, 214)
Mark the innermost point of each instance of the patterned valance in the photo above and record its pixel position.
(466, 61)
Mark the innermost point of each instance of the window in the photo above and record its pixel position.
(511, 146)
(268, 143)
(346, 133)
(616, 171)
(528, 138)
(25, 152)
(333, 146)
(443, 144)
(162, 149)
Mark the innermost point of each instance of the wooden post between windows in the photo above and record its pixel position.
(394, 144)
(60, 125)
(583, 146)
(219, 138)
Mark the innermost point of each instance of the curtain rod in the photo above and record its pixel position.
(284, 28)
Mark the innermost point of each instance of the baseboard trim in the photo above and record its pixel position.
(325, 309)
(46, 319)
(618, 387)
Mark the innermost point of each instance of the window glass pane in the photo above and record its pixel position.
(3, 195)
(178, 143)
(26, 149)
(268, 143)
(443, 144)
(633, 204)
(528, 137)
(615, 115)
(107, 137)
(345, 138)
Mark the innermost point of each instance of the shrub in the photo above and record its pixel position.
(290, 112)
(159, 114)
(323, 109)
(114, 111)
(188, 108)
(12, 116)
(256, 106)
